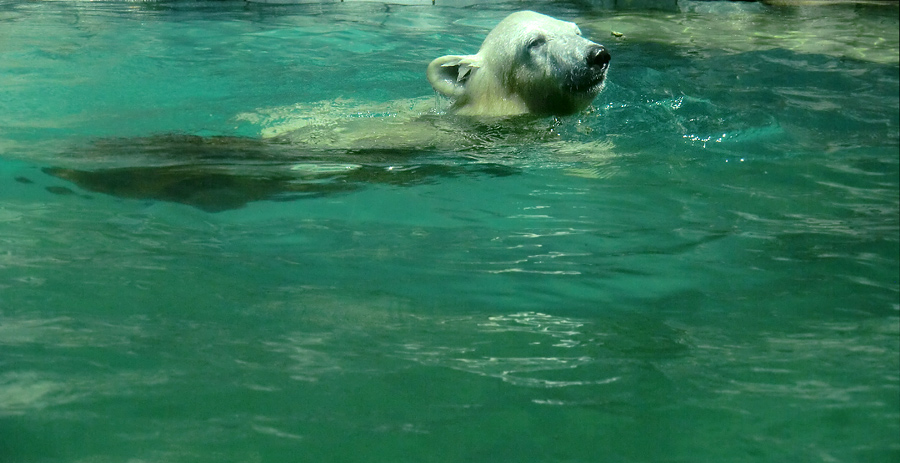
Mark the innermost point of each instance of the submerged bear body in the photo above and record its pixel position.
(528, 64)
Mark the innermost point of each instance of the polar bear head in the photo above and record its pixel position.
(529, 63)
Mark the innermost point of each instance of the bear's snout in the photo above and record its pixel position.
(598, 56)
(589, 77)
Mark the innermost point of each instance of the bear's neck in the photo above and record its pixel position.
(488, 97)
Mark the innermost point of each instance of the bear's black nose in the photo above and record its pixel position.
(598, 56)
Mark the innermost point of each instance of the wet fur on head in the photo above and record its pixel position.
(529, 63)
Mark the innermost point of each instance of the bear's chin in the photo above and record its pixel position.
(589, 90)
(563, 104)
(587, 84)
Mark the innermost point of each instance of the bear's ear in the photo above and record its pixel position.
(449, 74)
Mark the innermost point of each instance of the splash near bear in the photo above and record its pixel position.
(529, 64)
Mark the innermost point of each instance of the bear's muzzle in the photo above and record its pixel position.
(589, 78)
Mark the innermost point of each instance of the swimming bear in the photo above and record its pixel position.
(529, 63)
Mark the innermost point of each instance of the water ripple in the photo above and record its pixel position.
(531, 329)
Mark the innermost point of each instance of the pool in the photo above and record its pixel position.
(703, 267)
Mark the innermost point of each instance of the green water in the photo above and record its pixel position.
(703, 268)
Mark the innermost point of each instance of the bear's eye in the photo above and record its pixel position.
(536, 42)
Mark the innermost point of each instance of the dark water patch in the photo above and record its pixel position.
(60, 190)
(202, 187)
(209, 191)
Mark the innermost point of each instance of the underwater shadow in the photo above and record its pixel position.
(222, 173)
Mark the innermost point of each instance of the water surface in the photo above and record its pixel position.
(702, 268)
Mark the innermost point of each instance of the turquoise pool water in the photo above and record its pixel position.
(703, 268)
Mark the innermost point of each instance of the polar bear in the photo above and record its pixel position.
(529, 64)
